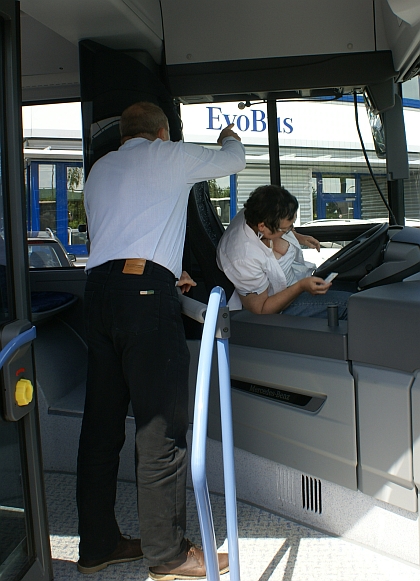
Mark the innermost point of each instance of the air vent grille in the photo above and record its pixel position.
(311, 494)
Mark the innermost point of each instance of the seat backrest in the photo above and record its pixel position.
(205, 230)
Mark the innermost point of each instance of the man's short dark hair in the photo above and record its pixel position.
(270, 204)
(142, 118)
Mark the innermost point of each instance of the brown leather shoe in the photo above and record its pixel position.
(190, 565)
(127, 550)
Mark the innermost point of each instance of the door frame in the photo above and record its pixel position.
(322, 198)
(61, 208)
(17, 258)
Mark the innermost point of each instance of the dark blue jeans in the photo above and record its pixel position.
(136, 352)
(307, 305)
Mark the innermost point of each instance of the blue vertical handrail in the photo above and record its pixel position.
(198, 457)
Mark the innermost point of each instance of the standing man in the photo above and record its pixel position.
(136, 205)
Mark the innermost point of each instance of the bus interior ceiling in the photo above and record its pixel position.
(251, 51)
(312, 403)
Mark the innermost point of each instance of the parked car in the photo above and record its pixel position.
(46, 251)
(412, 222)
(328, 248)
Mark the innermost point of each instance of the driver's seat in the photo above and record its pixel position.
(204, 231)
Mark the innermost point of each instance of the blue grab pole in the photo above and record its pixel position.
(228, 457)
(198, 457)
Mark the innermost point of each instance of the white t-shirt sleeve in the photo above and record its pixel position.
(247, 276)
(202, 163)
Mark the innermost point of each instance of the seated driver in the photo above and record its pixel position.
(260, 254)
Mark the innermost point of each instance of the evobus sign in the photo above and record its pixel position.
(254, 121)
(323, 124)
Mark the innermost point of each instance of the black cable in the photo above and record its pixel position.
(388, 207)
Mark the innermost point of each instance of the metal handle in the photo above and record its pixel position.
(15, 344)
(217, 300)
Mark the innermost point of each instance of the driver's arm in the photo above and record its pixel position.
(308, 241)
(262, 304)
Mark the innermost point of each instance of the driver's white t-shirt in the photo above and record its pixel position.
(250, 265)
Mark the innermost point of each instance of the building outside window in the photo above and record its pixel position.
(321, 160)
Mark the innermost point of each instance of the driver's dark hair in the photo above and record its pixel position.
(270, 204)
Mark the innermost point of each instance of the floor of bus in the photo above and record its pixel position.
(271, 547)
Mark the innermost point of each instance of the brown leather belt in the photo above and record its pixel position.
(134, 266)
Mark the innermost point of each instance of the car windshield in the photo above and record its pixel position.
(43, 256)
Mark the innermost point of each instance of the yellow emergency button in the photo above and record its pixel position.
(24, 392)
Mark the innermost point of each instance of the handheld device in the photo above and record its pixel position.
(331, 276)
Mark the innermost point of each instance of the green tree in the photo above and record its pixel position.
(75, 204)
(74, 178)
(218, 192)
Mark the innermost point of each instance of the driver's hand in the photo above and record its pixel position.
(227, 132)
(315, 285)
(308, 241)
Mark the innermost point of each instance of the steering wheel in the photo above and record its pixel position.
(355, 253)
